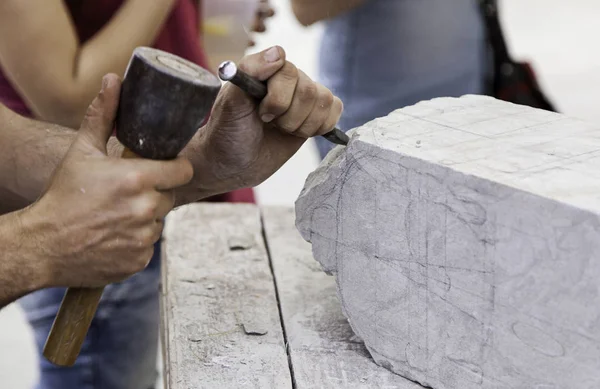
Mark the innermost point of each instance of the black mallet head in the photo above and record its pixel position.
(164, 101)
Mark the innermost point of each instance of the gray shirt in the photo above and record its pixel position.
(387, 54)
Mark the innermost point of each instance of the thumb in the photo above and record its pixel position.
(264, 64)
(98, 123)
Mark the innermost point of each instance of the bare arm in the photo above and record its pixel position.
(30, 151)
(56, 74)
(21, 271)
(311, 11)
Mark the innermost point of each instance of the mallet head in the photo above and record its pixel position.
(164, 101)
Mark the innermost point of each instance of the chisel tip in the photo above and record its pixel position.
(337, 136)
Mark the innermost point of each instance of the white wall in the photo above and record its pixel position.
(561, 39)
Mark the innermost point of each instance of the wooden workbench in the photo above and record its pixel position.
(244, 305)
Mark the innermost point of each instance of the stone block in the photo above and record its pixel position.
(465, 241)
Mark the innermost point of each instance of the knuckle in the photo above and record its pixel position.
(307, 91)
(326, 99)
(276, 104)
(133, 181)
(243, 65)
(289, 71)
(144, 238)
(148, 237)
(147, 210)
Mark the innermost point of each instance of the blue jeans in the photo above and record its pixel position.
(387, 54)
(121, 347)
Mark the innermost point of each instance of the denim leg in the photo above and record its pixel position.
(388, 54)
(121, 347)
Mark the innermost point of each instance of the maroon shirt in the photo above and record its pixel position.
(180, 36)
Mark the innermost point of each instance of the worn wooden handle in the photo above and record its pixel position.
(73, 319)
(71, 325)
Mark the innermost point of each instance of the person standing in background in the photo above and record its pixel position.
(53, 54)
(381, 55)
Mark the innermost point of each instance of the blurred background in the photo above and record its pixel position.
(559, 38)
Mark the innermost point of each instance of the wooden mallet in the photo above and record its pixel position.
(164, 101)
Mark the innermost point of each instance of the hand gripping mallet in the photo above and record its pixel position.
(164, 101)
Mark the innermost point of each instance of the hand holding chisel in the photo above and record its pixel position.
(228, 71)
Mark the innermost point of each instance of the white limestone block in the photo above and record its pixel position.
(464, 238)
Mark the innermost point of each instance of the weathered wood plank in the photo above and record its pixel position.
(323, 348)
(217, 291)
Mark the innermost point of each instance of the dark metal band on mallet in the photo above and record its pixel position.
(228, 71)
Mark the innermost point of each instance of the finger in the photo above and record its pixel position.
(303, 101)
(151, 207)
(148, 235)
(166, 202)
(319, 114)
(169, 174)
(159, 175)
(265, 64)
(97, 125)
(334, 116)
(265, 10)
(141, 260)
(259, 25)
(142, 248)
(281, 88)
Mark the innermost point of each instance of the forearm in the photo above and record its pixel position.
(30, 151)
(21, 270)
(137, 23)
(312, 11)
(57, 74)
